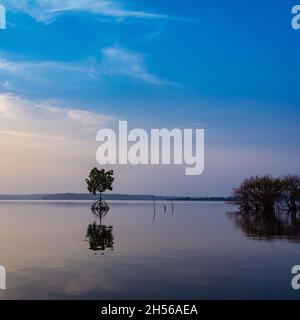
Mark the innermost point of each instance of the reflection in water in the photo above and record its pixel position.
(268, 227)
(56, 263)
(154, 209)
(100, 237)
(100, 207)
(165, 209)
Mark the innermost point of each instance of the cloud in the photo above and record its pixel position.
(27, 135)
(27, 119)
(17, 74)
(46, 78)
(39, 70)
(121, 62)
(47, 10)
(89, 120)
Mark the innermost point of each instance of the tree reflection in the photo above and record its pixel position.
(268, 227)
(100, 236)
(100, 210)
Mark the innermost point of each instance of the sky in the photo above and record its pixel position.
(69, 68)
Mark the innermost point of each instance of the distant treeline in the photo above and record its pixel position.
(225, 199)
(90, 197)
(78, 196)
(87, 196)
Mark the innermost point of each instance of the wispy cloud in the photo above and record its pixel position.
(28, 135)
(40, 70)
(30, 119)
(121, 62)
(114, 62)
(47, 10)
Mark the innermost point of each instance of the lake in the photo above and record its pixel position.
(197, 250)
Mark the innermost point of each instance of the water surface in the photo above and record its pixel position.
(198, 250)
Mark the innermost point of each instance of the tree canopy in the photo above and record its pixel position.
(263, 194)
(99, 181)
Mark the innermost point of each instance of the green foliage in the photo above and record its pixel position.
(99, 181)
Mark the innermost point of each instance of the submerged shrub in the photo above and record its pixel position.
(258, 194)
(290, 192)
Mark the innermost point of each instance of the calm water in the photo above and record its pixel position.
(59, 250)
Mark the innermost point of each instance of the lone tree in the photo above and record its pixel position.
(290, 192)
(99, 181)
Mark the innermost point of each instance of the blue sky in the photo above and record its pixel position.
(231, 67)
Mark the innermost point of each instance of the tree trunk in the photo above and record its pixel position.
(293, 206)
